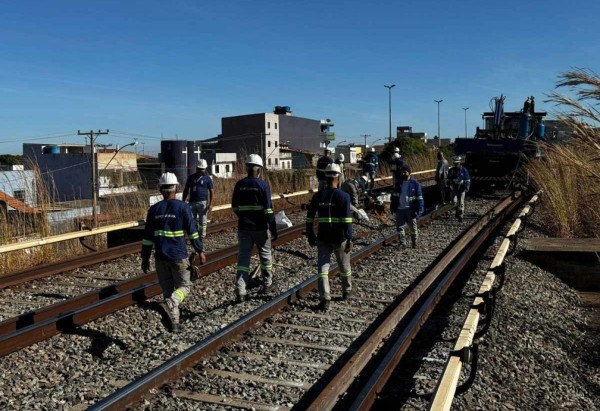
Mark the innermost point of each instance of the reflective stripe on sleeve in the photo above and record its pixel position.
(251, 208)
(171, 234)
(268, 211)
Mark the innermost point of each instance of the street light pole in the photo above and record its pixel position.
(438, 133)
(389, 109)
(465, 108)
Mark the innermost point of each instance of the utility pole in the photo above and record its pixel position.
(365, 136)
(439, 136)
(92, 135)
(465, 108)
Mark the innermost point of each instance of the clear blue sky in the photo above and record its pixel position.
(175, 68)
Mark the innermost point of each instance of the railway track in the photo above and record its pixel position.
(289, 324)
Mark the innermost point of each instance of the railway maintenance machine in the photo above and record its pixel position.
(507, 141)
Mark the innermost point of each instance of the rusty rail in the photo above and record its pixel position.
(413, 311)
(178, 364)
(34, 326)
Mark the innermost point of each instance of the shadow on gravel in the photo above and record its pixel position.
(100, 341)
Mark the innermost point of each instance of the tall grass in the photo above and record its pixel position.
(569, 173)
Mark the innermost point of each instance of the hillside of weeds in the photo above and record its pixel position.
(569, 173)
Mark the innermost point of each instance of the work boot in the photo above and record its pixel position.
(324, 305)
(176, 328)
(240, 298)
(346, 294)
(266, 289)
(402, 243)
(169, 313)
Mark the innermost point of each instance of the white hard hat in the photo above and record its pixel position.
(332, 170)
(396, 150)
(456, 159)
(364, 177)
(372, 149)
(168, 179)
(202, 164)
(396, 156)
(254, 160)
(341, 157)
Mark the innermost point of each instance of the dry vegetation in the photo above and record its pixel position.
(570, 172)
(133, 206)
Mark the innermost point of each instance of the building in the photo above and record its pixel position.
(407, 131)
(350, 152)
(66, 170)
(181, 157)
(264, 133)
(18, 190)
(437, 142)
(221, 164)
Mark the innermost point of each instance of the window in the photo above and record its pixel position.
(268, 124)
(275, 126)
(276, 161)
(276, 143)
(269, 161)
(269, 143)
(227, 168)
(217, 170)
(19, 195)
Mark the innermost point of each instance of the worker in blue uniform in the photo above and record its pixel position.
(371, 166)
(322, 163)
(331, 209)
(460, 183)
(167, 223)
(199, 187)
(396, 165)
(252, 204)
(407, 203)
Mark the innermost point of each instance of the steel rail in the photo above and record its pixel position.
(415, 315)
(177, 365)
(34, 326)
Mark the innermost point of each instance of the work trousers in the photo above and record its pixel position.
(405, 219)
(247, 239)
(200, 213)
(174, 279)
(443, 188)
(458, 199)
(324, 251)
(371, 182)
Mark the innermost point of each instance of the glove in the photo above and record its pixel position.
(349, 246)
(145, 265)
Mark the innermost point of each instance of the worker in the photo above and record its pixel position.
(332, 206)
(441, 176)
(371, 166)
(407, 203)
(322, 163)
(339, 160)
(355, 188)
(251, 202)
(167, 223)
(199, 186)
(396, 165)
(460, 183)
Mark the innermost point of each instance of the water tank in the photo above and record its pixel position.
(540, 129)
(51, 150)
(524, 126)
(174, 157)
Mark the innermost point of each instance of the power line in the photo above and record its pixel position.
(42, 137)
